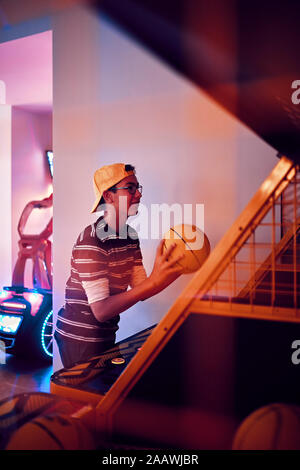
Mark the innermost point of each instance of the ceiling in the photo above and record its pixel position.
(243, 53)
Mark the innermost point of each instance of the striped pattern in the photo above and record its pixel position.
(102, 264)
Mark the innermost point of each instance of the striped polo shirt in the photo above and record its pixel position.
(103, 263)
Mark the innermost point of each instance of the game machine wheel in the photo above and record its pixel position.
(26, 313)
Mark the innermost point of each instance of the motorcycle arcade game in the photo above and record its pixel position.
(26, 313)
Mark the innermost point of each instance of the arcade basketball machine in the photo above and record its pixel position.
(26, 312)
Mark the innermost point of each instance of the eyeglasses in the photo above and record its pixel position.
(132, 188)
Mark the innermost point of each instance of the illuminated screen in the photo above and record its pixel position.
(9, 323)
(49, 154)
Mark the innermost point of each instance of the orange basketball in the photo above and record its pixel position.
(52, 432)
(272, 427)
(191, 242)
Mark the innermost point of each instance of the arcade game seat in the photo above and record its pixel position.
(26, 313)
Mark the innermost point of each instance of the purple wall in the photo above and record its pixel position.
(31, 136)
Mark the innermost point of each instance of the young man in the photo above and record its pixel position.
(106, 260)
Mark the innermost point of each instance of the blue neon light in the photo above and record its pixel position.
(4, 294)
(43, 333)
(10, 323)
(50, 161)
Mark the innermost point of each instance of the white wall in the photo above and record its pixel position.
(5, 195)
(114, 101)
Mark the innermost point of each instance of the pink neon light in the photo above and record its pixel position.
(35, 301)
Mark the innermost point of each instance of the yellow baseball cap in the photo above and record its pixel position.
(106, 177)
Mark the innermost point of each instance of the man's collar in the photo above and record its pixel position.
(105, 232)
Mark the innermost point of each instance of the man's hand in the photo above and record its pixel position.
(165, 270)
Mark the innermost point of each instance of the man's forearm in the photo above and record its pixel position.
(115, 304)
(164, 272)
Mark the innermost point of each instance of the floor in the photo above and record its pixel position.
(19, 375)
